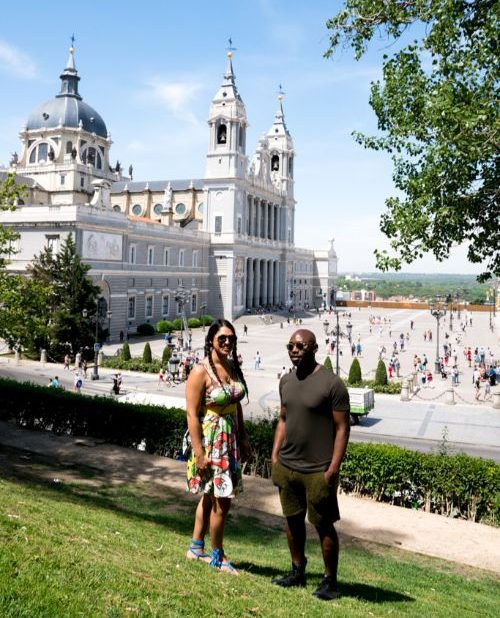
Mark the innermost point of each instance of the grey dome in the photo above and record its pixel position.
(67, 111)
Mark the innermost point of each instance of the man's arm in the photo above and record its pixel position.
(342, 431)
(279, 435)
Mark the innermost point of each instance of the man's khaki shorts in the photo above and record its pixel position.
(300, 491)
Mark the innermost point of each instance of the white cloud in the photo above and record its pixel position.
(15, 61)
(177, 96)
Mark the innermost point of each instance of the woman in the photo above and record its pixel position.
(217, 433)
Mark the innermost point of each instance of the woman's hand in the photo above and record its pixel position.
(202, 462)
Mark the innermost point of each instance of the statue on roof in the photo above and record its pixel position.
(14, 159)
(131, 171)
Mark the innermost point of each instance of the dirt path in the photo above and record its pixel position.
(459, 541)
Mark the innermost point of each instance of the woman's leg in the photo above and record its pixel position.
(218, 516)
(202, 517)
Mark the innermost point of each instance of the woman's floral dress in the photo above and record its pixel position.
(218, 418)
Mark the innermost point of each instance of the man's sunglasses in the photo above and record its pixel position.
(296, 344)
(231, 339)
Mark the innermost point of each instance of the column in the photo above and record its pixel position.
(255, 222)
(272, 221)
(248, 229)
(249, 263)
(264, 282)
(256, 283)
(277, 298)
(270, 281)
(266, 218)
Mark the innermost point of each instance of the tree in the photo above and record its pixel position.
(437, 109)
(126, 356)
(381, 374)
(147, 357)
(354, 372)
(328, 364)
(72, 294)
(165, 357)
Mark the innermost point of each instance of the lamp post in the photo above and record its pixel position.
(457, 296)
(95, 371)
(349, 331)
(181, 296)
(438, 310)
(326, 326)
(108, 315)
(489, 297)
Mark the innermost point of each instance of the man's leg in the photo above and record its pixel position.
(296, 536)
(330, 549)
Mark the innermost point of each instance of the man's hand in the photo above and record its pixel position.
(245, 450)
(329, 476)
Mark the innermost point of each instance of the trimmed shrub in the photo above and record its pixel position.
(328, 364)
(164, 326)
(354, 372)
(134, 364)
(147, 357)
(451, 485)
(165, 357)
(145, 329)
(207, 319)
(392, 388)
(381, 374)
(194, 323)
(126, 356)
(177, 324)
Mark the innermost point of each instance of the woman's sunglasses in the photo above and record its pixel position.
(296, 344)
(222, 339)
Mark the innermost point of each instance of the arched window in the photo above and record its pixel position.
(275, 163)
(136, 209)
(290, 166)
(116, 208)
(40, 153)
(69, 147)
(157, 209)
(92, 156)
(222, 134)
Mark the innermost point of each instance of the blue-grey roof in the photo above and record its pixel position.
(67, 111)
(19, 180)
(155, 185)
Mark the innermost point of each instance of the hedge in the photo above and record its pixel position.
(146, 329)
(381, 374)
(147, 356)
(164, 326)
(354, 372)
(453, 485)
(134, 364)
(391, 388)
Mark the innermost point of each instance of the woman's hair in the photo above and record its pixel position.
(209, 344)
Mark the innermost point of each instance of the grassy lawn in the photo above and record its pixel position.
(87, 547)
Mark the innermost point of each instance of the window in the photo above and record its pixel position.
(238, 225)
(131, 307)
(218, 224)
(63, 179)
(151, 255)
(165, 257)
(157, 208)
(194, 303)
(91, 156)
(40, 153)
(149, 306)
(180, 209)
(195, 259)
(69, 147)
(116, 208)
(52, 242)
(181, 257)
(275, 163)
(200, 208)
(82, 182)
(131, 254)
(165, 304)
(136, 209)
(222, 134)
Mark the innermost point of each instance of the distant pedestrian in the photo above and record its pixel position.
(245, 330)
(77, 383)
(257, 360)
(66, 362)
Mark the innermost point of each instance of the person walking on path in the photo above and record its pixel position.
(216, 442)
(309, 445)
(257, 360)
(245, 330)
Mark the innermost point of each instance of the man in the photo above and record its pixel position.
(309, 445)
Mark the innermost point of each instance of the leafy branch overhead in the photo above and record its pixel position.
(437, 111)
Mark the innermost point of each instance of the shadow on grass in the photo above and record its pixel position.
(374, 594)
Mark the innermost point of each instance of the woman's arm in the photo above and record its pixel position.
(195, 391)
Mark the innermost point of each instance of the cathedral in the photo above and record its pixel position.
(225, 241)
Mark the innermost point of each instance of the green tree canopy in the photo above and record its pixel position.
(437, 110)
(72, 294)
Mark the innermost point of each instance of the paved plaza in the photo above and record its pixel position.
(423, 422)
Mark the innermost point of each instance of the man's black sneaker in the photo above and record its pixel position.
(296, 577)
(327, 590)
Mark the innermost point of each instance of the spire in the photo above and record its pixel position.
(69, 77)
(279, 118)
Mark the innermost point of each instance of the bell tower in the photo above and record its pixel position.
(227, 123)
(280, 145)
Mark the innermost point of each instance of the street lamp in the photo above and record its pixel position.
(438, 310)
(349, 331)
(326, 326)
(95, 371)
(489, 296)
(108, 315)
(181, 296)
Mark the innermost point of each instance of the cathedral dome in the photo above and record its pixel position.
(67, 109)
(68, 112)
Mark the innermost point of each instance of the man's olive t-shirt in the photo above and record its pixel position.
(309, 426)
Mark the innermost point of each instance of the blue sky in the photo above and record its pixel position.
(151, 69)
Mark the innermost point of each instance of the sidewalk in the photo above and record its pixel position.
(459, 541)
